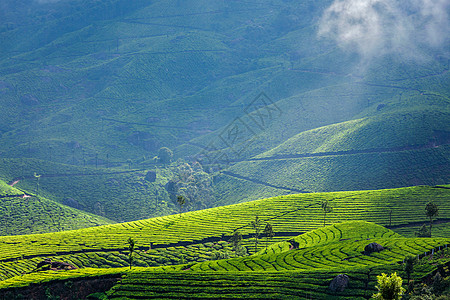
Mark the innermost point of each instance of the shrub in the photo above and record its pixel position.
(389, 287)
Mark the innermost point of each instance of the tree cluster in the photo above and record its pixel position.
(194, 184)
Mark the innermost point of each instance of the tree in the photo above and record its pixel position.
(131, 249)
(181, 201)
(389, 287)
(37, 182)
(423, 231)
(165, 155)
(326, 207)
(256, 224)
(268, 232)
(236, 239)
(194, 183)
(409, 266)
(431, 210)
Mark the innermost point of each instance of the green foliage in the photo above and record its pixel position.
(331, 251)
(27, 215)
(326, 207)
(389, 287)
(326, 158)
(424, 231)
(256, 225)
(290, 215)
(165, 155)
(431, 210)
(167, 85)
(116, 194)
(131, 245)
(268, 232)
(195, 184)
(181, 201)
(236, 240)
(409, 263)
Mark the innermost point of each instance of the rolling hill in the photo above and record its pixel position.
(283, 274)
(193, 236)
(25, 214)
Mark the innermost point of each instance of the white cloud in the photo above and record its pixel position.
(46, 1)
(376, 27)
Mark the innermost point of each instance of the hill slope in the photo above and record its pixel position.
(24, 214)
(283, 274)
(412, 149)
(191, 236)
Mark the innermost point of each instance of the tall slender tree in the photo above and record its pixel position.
(268, 232)
(409, 266)
(131, 249)
(326, 207)
(236, 239)
(181, 201)
(431, 210)
(256, 224)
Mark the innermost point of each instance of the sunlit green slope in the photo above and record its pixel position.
(280, 273)
(194, 236)
(397, 147)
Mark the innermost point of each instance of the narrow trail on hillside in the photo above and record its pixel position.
(17, 180)
(15, 196)
(420, 223)
(321, 154)
(14, 182)
(343, 153)
(228, 173)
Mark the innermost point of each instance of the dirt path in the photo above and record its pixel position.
(341, 153)
(231, 174)
(415, 224)
(14, 182)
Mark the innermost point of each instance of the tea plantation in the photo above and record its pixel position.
(197, 238)
(279, 273)
(25, 214)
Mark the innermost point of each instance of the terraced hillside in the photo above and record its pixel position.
(289, 273)
(119, 194)
(413, 149)
(24, 214)
(197, 235)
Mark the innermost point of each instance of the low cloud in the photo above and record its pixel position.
(376, 27)
(47, 1)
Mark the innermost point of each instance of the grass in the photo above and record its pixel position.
(222, 280)
(121, 85)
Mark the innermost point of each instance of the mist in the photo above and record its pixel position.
(47, 1)
(373, 28)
